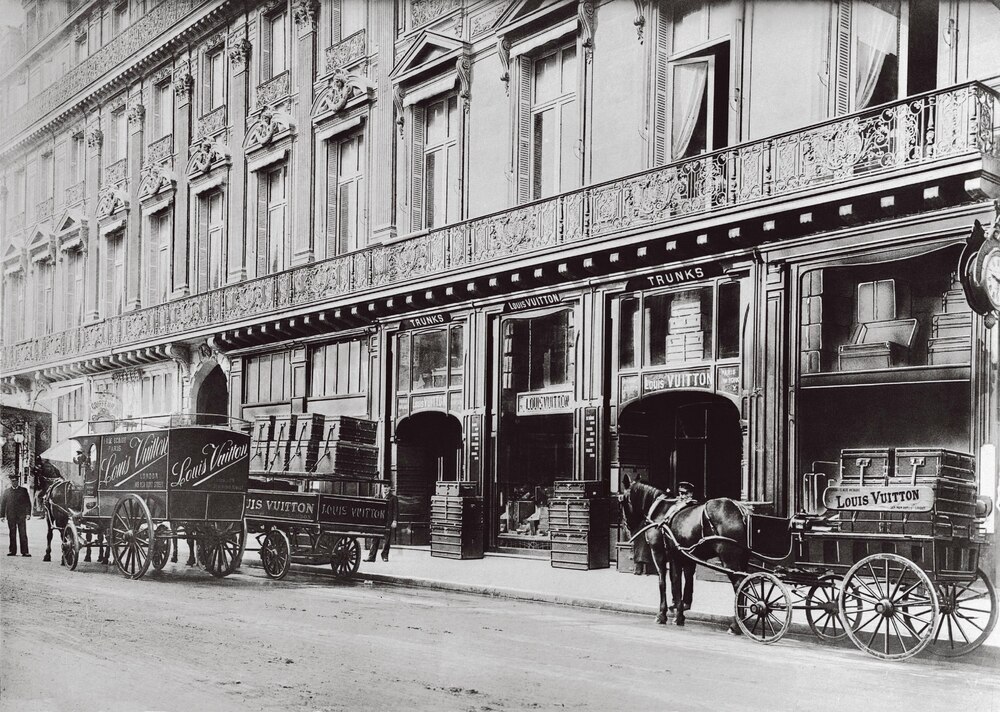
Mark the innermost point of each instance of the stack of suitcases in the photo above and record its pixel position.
(686, 339)
(951, 474)
(456, 521)
(348, 447)
(579, 525)
(325, 447)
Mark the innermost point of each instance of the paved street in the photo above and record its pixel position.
(91, 640)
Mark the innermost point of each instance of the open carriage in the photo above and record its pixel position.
(889, 558)
(150, 482)
(314, 492)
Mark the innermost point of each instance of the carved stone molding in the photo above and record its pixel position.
(116, 172)
(269, 124)
(136, 113)
(398, 93)
(640, 17)
(423, 11)
(463, 66)
(160, 149)
(585, 13)
(503, 54)
(154, 178)
(340, 89)
(76, 193)
(161, 75)
(274, 89)
(183, 81)
(306, 13)
(212, 123)
(95, 138)
(111, 200)
(206, 154)
(346, 52)
(483, 22)
(239, 53)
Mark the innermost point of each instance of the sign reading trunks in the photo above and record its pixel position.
(681, 275)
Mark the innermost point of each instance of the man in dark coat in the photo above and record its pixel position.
(391, 515)
(15, 507)
(681, 567)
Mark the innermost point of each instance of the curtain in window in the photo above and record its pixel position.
(877, 28)
(690, 81)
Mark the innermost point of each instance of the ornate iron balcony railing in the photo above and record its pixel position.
(919, 131)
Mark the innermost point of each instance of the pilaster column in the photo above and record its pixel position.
(183, 85)
(236, 233)
(382, 130)
(134, 276)
(92, 175)
(303, 168)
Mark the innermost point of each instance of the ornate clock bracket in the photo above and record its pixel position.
(979, 269)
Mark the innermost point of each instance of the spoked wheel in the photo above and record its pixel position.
(897, 607)
(70, 545)
(968, 616)
(162, 543)
(346, 557)
(325, 544)
(763, 607)
(823, 609)
(220, 547)
(132, 536)
(276, 554)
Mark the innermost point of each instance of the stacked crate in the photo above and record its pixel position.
(303, 445)
(260, 442)
(347, 447)
(456, 521)
(685, 329)
(951, 474)
(580, 525)
(950, 341)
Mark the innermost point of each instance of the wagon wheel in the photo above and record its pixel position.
(132, 536)
(968, 615)
(896, 604)
(276, 554)
(823, 609)
(162, 542)
(70, 545)
(346, 557)
(325, 545)
(763, 607)
(220, 547)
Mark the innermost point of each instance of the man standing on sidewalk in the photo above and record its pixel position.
(391, 514)
(15, 507)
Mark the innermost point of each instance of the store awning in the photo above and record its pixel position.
(66, 450)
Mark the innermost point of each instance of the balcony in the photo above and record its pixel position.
(932, 132)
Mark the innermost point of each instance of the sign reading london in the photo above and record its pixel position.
(890, 498)
(544, 403)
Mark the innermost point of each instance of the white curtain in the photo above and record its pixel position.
(876, 28)
(690, 81)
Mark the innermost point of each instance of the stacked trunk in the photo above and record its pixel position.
(456, 521)
(348, 448)
(579, 525)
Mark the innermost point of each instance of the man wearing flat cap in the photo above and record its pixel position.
(681, 567)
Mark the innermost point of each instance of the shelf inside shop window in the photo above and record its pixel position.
(887, 376)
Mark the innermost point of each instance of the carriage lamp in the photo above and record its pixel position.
(18, 440)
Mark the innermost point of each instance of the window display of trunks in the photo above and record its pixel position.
(456, 521)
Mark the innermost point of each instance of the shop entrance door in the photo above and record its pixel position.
(428, 450)
(212, 401)
(683, 436)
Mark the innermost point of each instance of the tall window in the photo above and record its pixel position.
(339, 369)
(77, 159)
(215, 81)
(13, 315)
(274, 48)
(211, 241)
(442, 200)
(163, 110)
(158, 259)
(75, 295)
(119, 135)
(276, 198)
(698, 102)
(80, 49)
(44, 307)
(555, 123)
(875, 52)
(348, 220)
(346, 18)
(268, 377)
(119, 18)
(114, 274)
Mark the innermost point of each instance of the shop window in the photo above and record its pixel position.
(679, 327)
(629, 332)
(339, 369)
(456, 356)
(537, 352)
(728, 332)
(268, 378)
(431, 360)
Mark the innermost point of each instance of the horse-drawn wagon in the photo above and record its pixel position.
(889, 558)
(150, 482)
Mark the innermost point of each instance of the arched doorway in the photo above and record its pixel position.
(212, 398)
(428, 450)
(666, 438)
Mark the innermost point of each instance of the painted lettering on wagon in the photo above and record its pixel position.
(129, 456)
(217, 457)
(260, 506)
(892, 498)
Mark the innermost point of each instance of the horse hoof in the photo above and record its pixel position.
(46, 558)
(735, 630)
(678, 621)
(661, 619)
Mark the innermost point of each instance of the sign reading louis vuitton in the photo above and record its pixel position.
(681, 275)
(890, 498)
(210, 460)
(674, 380)
(544, 403)
(542, 300)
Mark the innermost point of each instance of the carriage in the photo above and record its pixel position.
(888, 558)
(150, 482)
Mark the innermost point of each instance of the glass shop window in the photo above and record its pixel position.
(430, 360)
(537, 352)
(678, 327)
(728, 329)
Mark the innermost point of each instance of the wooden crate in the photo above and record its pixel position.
(347, 458)
(456, 489)
(355, 430)
(579, 489)
(449, 542)
(580, 514)
(575, 550)
(624, 562)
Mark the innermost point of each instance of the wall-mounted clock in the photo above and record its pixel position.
(979, 270)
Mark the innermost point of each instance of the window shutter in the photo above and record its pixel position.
(157, 113)
(204, 210)
(842, 59)
(152, 263)
(344, 219)
(262, 251)
(417, 170)
(335, 29)
(109, 282)
(332, 147)
(661, 82)
(60, 177)
(265, 49)
(430, 161)
(523, 144)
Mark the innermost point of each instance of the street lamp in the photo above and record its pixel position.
(18, 440)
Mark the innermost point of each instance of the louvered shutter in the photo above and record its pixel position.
(332, 148)
(344, 218)
(152, 263)
(262, 251)
(661, 82)
(265, 49)
(204, 214)
(60, 174)
(417, 169)
(523, 143)
(109, 271)
(842, 59)
(335, 30)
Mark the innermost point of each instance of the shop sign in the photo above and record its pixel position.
(669, 278)
(281, 505)
(677, 380)
(134, 461)
(435, 401)
(542, 300)
(629, 388)
(544, 403)
(348, 511)
(729, 379)
(208, 460)
(419, 322)
(889, 498)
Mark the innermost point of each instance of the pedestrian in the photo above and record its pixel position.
(15, 507)
(391, 514)
(681, 567)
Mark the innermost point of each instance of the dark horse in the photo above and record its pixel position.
(716, 528)
(59, 499)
